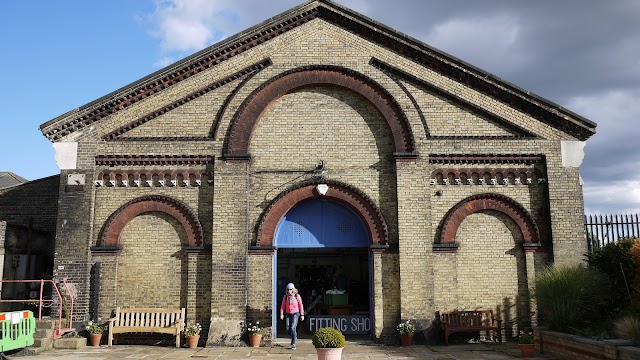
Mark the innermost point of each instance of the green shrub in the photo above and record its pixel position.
(571, 297)
(628, 327)
(328, 338)
(616, 261)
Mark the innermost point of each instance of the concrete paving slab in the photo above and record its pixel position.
(356, 350)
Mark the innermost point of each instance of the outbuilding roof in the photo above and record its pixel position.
(9, 179)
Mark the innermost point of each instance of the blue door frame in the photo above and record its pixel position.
(319, 223)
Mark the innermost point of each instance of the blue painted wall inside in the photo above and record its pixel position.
(321, 223)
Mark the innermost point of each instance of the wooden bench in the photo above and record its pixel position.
(463, 321)
(149, 320)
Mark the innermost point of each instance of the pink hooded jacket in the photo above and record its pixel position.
(291, 304)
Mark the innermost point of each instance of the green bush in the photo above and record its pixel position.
(612, 259)
(628, 327)
(328, 338)
(571, 297)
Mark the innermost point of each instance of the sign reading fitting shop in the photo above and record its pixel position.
(347, 324)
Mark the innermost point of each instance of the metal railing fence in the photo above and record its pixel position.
(601, 230)
(60, 329)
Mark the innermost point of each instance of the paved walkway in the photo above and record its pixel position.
(355, 350)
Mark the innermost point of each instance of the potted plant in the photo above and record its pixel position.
(192, 334)
(95, 331)
(406, 330)
(328, 343)
(526, 343)
(255, 334)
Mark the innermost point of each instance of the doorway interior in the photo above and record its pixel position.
(344, 272)
(323, 248)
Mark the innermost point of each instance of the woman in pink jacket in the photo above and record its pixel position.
(292, 308)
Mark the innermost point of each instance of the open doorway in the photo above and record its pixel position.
(334, 285)
(323, 249)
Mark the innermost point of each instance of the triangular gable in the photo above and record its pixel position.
(447, 65)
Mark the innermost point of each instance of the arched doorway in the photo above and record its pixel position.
(323, 245)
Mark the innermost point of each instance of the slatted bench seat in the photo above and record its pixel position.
(149, 320)
(463, 321)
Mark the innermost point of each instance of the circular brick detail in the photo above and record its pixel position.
(496, 202)
(252, 108)
(347, 195)
(121, 217)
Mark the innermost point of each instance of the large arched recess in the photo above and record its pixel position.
(480, 202)
(345, 194)
(153, 203)
(237, 145)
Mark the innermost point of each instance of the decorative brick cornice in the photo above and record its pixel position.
(393, 72)
(110, 236)
(480, 202)
(370, 30)
(346, 194)
(146, 160)
(192, 96)
(153, 178)
(248, 115)
(163, 138)
(481, 137)
(485, 159)
(478, 176)
(519, 99)
(131, 94)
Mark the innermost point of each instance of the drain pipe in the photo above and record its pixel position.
(96, 291)
(247, 240)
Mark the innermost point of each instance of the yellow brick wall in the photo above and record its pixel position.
(485, 271)
(150, 264)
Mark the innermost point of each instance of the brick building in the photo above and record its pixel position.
(323, 148)
(28, 218)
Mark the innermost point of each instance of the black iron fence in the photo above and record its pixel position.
(601, 230)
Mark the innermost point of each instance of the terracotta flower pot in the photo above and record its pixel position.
(329, 353)
(254, 340)
(192, 341)
(527, 350)
(94, 339)
(406, 339)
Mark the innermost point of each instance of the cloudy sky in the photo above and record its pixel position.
(581, 54)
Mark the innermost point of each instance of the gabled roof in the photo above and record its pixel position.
(9, 179)
(436, 60)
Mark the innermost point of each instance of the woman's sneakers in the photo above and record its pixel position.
(293, 347)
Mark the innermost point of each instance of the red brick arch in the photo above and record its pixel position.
(252, 108)
(503, 204)
(172, 207)
(343, 193)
